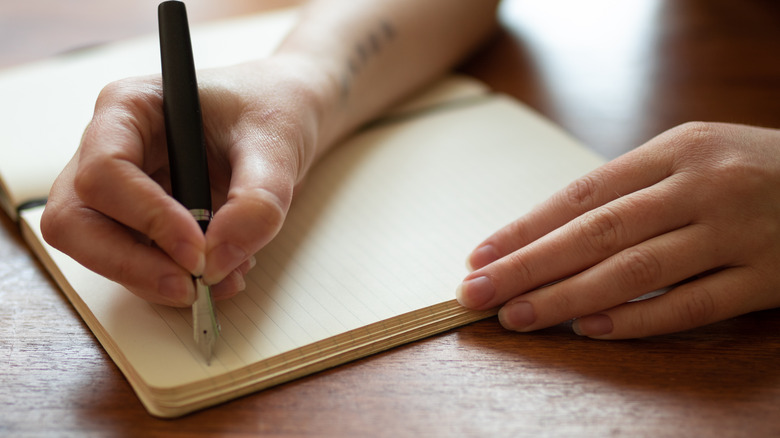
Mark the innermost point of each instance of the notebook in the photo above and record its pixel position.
(371, 252)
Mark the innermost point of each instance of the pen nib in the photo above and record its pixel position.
(204, 321)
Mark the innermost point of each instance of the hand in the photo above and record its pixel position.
(696, 209)
(110, 208)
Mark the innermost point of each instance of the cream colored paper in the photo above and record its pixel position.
(369, 257)
(45, 106)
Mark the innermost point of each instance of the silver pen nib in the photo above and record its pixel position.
(204, 320)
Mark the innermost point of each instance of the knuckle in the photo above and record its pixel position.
(522, 273)
(273, 210)
(697, 134)
(696, 130)
(88, 181)
(125, 271)
(112, 91)
(135, 89)
(518, 232)
(699, 140)
(155, 223)
(640, 324)
(52, 227)
(85, 181)
(564, 304)
(601, 230)
(267, 208)
(128, 103)
(582, 192)
(699, 308)
(641, 268)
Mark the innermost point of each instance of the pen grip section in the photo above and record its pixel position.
(181, 105)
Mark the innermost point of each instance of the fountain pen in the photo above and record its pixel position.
(187, 149)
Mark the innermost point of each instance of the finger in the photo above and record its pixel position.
(583, 242)
(111, 179)
(646, 267)
(714, 297)
(260, 193)
(111, 250)
(627, 174)
(234, 283)
(229, 287)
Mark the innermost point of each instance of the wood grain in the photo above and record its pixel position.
(611, 85)
(615, 74)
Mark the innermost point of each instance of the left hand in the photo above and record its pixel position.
(696, 209)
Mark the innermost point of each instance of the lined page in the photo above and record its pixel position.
(59, 94)
(383, 225)
(381, 228)
(33, 95)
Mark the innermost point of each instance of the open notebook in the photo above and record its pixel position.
(371, 252)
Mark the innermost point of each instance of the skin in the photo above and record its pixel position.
(696, 209)
(266, 122)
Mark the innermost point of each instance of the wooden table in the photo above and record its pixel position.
(612, 73)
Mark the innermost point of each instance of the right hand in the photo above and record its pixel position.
(110, 209)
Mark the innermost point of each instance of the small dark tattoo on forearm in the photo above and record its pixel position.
(365, 50)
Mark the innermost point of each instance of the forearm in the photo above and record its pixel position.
(373, 53)
(265, 123)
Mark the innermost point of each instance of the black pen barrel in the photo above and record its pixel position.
(181, 106)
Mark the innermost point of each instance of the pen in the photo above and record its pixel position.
(187, 149)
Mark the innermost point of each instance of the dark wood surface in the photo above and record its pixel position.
(613, 75)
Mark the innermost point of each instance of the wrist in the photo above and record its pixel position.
(283, 101)
(322, 78)
(309, 91)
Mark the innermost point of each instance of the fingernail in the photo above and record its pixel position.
(221, 261)
(177, 289)
(229, 287)
(240, 281)
(247, 266)
(593, 325)
(482, 256)
(475, 293)
(517, 316)
(190, 257)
